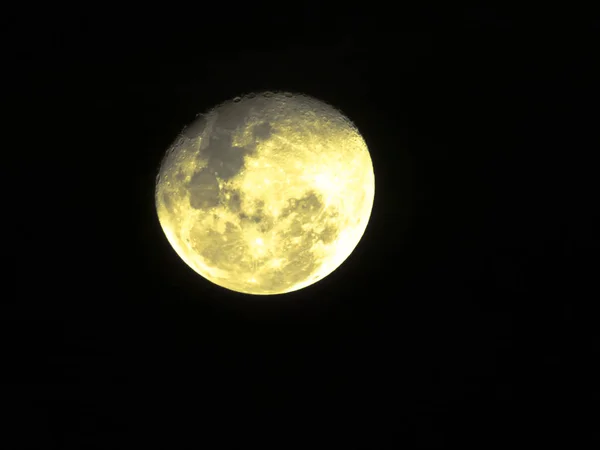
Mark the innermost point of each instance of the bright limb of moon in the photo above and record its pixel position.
(266, 194)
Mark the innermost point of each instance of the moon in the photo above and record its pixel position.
(267, 193)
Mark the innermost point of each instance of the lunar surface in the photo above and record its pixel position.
(266, 194)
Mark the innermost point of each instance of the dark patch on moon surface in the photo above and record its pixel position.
(234, 202)
(262, 131)
(265, 221)
(204, 190)
(329, 234)
(254, 218)
(223, 158)
(310, 202)
(231, 116)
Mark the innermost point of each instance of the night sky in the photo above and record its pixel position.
(464, 316)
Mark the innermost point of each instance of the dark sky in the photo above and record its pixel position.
(465, 314)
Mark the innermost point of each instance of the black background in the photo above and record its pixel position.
(465, 314)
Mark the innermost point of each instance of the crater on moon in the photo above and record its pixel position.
(266, 194)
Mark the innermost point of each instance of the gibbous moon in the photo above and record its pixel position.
(266, 194)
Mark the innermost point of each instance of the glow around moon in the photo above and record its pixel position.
(266, 194)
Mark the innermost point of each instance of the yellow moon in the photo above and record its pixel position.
(266, 194)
